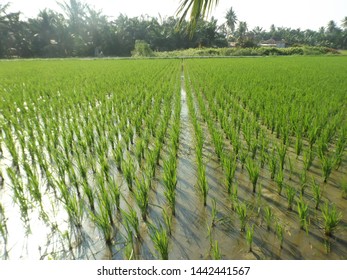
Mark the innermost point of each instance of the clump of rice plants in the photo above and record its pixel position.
(229, 170)
(331, 218)
(132, 221)
(268, 217)
(303, 214)
(160, 240)
(317, 193)
(327, 166)
(253, 172)
(282, 150)
(291, 192)
(141, 195)
(308, 159)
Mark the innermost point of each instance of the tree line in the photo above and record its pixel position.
(80, 30)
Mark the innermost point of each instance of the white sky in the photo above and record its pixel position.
(304, 14)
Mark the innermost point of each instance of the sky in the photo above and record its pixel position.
(303, 14)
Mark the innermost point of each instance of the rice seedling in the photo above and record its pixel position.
(302, 208)
(303, 184)
(88, 191)
(74, 208)
(141, 195)
(344, 188)
(291, 192)
(242, 157)
(229, 171)
(331, 218)
(281, 150)
(253, 172)
(317, 193)
(241, 210)
(102, 221)
(214, 212)
(216, 253)
(139, 150)
(170, 182)
(129, 172)
(298, 143)
(279, 181)
(280, 233)
(167, 217)
(249, 236)
(131, 220)
(234, 197)
(19, 197)
(202, 183)
(268, 217)
(308, 159)
(160, 240)
(273, 165)
(327, 166)
(118, 156)
(3, 225)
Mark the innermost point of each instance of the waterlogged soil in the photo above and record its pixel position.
(193, 231)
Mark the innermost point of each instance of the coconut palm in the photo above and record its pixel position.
(197, 9)
(231, 19)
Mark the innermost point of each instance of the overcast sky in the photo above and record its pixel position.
(304, 14)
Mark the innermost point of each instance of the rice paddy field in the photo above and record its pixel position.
(239, 158)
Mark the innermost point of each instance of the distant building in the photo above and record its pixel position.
(273, 43)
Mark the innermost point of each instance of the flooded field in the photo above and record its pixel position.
(174, 159)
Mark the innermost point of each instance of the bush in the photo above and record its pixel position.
(142, 49)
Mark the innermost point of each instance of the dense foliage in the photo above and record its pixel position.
(79, 30)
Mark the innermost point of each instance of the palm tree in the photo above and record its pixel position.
(344, 23)
(231, 19)
(197, 8)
